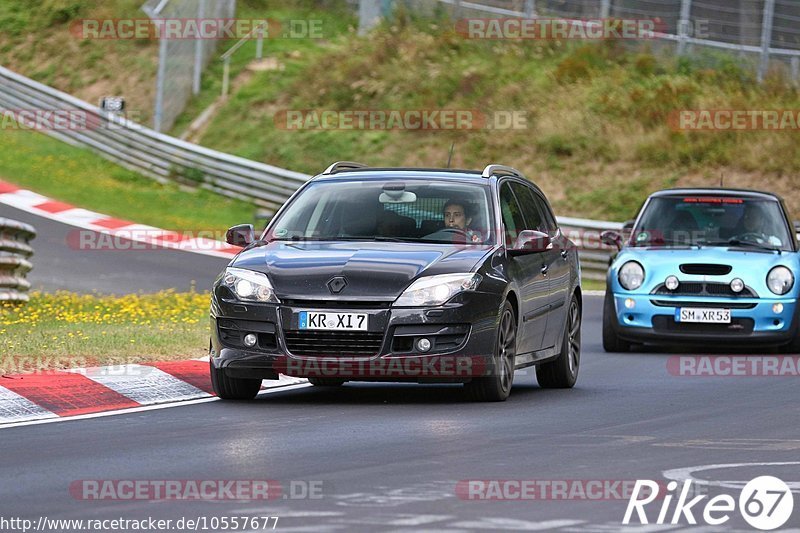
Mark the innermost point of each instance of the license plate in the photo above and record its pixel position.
(706, 316)
(332, 321)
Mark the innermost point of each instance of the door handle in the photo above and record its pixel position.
(564, 254)
(544, 269)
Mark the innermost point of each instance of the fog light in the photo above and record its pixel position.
(737, 285)
(777, 308)
(250, 340)
(423, 345)
(671, 283)
(629, 303)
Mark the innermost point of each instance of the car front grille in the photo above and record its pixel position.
(333, 343)
(705, 269)
(707, 305)
(692, 288)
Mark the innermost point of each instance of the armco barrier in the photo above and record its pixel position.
(15, 254)
(166, 158)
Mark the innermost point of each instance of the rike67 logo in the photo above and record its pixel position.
(766, 503)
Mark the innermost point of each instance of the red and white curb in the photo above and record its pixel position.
(61, 394)
(43, 206)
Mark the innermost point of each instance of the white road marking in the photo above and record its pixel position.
(14, 407)
(682, 474)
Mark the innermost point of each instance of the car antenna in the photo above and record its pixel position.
(450, 157)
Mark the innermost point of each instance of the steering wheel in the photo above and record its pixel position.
(752, 236)
(448, 233)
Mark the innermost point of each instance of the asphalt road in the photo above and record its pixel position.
(57, 265)
(389, 457)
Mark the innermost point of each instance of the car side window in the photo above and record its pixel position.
(512, 214)
(550, 223)
(533, 216)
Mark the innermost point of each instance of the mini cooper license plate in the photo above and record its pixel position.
(705, 316)
(332, 321)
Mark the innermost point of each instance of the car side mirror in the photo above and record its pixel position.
(611, 238)
(628, 225)
(241, 235)
(797, 226)
(530, 242)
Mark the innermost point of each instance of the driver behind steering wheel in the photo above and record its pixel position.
(458, 216)
(755, 227)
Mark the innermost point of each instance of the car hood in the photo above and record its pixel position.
(752, 266)
(372, 270)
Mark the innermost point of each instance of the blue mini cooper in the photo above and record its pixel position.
(704, 266)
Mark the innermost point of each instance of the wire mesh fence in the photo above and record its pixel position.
(764, 32)
(181, 61)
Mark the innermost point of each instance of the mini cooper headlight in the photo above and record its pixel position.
(780, 280)
(249, 286)
(436, 290)
(631, 275)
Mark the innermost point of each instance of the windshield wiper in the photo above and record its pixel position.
(664, 242)
(377, 238)
(744, 244)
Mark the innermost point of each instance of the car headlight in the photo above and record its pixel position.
(631, 275)
(436, 290)
(780, 280)
(248, 285)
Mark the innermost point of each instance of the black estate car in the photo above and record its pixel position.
(401, 274)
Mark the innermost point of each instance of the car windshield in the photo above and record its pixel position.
(408, 210)
(712, 221)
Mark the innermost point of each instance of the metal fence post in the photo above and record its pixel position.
(766, 38)
(683, 23)
(605, 9)
(795, 70)
(198, 52)
(260, 44)
(530, 9)
(226, 76)
(158, 116)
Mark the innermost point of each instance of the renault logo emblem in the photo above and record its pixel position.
(336, 284)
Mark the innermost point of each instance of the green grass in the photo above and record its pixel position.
(68, 330)
(77, 176)
(598, 139)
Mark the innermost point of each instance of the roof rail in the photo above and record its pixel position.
(500, 170)
(343, 165)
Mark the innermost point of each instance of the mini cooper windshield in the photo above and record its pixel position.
(713, 221)
(410, 210)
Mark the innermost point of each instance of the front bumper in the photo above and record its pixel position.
(753, 320)
(462, 333)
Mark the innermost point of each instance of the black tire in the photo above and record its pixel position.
(497, 385)
(562, 373)
(611, 341)
(233, 388)
(326, 382)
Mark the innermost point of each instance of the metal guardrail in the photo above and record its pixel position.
(593, 253)
(15, 254)
(151, 153)
(166, 158)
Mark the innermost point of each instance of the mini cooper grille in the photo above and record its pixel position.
(705, 269)
(333, 343)
(712, 305)
(705, 289)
